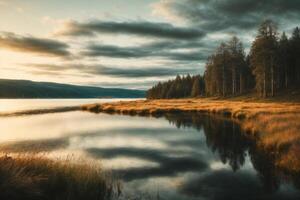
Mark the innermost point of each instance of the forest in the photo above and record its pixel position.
(271, 66)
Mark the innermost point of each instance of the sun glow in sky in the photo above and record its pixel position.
(130, 44)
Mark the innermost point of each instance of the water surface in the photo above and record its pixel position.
(186, 157)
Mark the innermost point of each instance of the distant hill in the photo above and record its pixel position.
(30, 89)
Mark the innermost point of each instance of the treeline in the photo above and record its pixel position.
(272, 65)
(227, 70)
(275, 61)
(181, 87)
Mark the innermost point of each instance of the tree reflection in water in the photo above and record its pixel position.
(227, 139)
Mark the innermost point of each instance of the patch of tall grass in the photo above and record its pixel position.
(27, 177)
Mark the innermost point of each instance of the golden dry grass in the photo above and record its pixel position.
(275, 125)
(28, 177)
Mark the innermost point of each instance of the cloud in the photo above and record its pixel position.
(141, 28)
(237, 7)
(140, 73)
(3, 3)
(185, 51)
(161, 8)
(124, 72)
(115, 51)
(31, 44)
(140, 84)
(211, 15)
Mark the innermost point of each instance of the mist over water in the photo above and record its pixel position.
(186, 156)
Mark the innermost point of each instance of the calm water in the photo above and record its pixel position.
(174, 157)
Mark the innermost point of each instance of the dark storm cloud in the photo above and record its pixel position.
(33, 45)
(211, 15)
(238, 7)
(146, 72)
(141, 84)
(170, 45)
(124, 72)
(196, 51)
(115, 51)
(145, 29)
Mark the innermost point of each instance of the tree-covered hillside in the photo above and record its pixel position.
(30, 89)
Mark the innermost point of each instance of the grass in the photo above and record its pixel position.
(34, 146)
(27, 177)
(274, 124)
(39, 111)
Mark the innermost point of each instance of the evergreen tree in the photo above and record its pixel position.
(226, 70)
(271, 65)
(180, 87)
(196, 91)
(284, 70)
(263, 58)
(295, 57)
(237, 64)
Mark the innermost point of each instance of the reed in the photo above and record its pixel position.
(28, 177)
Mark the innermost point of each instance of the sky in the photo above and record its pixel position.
(127, 44)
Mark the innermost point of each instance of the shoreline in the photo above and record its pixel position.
(271, 127)
(274, 125)
(40, 111)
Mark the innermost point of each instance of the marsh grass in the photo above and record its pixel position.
(28, 177)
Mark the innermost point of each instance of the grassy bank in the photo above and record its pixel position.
(40, 111)
(38, 178)
(275, 125)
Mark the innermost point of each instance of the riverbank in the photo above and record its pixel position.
(275, 125)
(272, 128)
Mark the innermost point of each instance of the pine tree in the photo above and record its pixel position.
(263, 58)
(271, 65)
(237, 65)
(196, 88)
(295, 58)
(284, 71)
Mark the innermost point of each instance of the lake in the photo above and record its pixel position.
(178, 157)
